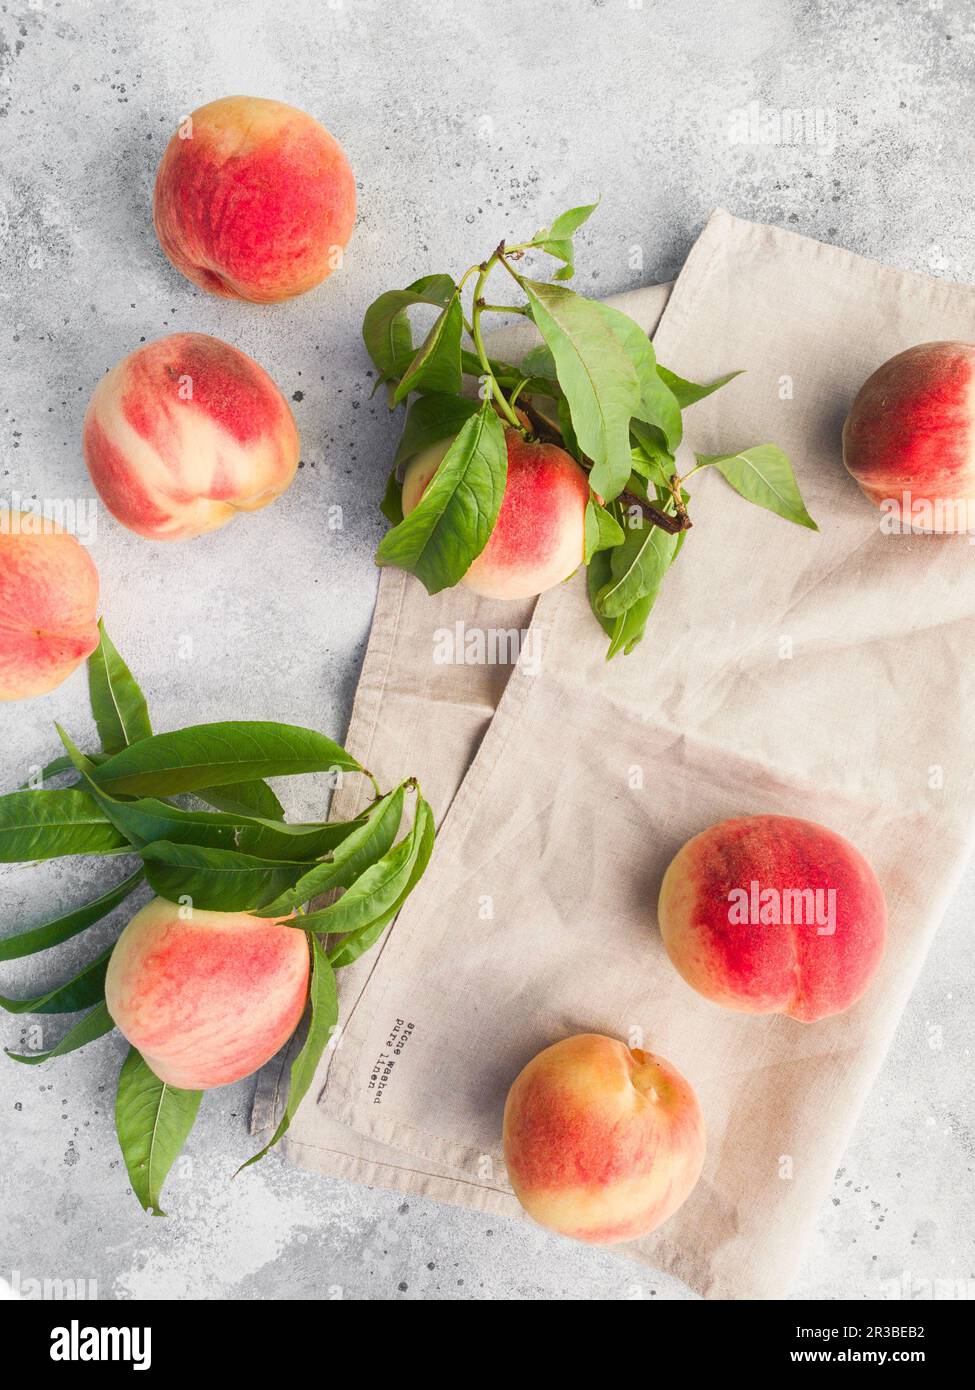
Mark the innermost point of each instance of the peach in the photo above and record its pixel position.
(185, 433)
(768, 914)
(602, 1142)
(206, 997)
(909, 439)
(538, 538)
(48, 605)
(254, 200)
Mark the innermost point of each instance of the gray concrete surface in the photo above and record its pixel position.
(463, 122)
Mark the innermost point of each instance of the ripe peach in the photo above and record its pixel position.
(602, 1142)
(768, 914)
(909, 439)
(207, 998)
(48, 605)
(254, 200)
(538, 538)
(185, 433)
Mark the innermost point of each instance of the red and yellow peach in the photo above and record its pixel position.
(185, 433)
(769, 914)
(254, 200)
(602, 1142)
(909, 439)
(48, 605)
(538, 537)
(206, 997)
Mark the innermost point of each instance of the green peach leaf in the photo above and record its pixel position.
(649, 456)
(153, 1121)
(391, 505)
(504, 373)
(323, 1018)
(638, 568)
(149, 819)
(568, 223)
(689, 392)
(95, 1024)
(378, 889)
(81, 992)
(214, 755)
(216, 880)
(51, 824)
(763, 475)
(557, 240)
(369, 842)
(453, 521)
(657, 406)
(421, 841)
(602, 530)
(429, 420)
(118, 704)
(386, 326)
(596, 375)
(540, 363)
(243, 798)
(436, 366)
(53, 933)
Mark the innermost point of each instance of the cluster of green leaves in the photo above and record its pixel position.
(238, 856)
(594, 386)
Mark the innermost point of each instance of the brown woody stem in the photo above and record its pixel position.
(673, 525)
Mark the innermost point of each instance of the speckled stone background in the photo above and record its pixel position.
(464, 122)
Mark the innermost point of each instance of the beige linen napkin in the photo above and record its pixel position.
(819, 675)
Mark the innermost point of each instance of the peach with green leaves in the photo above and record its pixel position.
(563, 456)
(538, 536)
(209, 979)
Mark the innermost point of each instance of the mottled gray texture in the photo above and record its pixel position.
(463, 123)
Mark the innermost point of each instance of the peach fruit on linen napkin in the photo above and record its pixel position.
(826, 676)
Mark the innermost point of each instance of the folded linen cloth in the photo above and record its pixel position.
(818, 675)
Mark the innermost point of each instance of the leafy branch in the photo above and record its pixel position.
(239, 856)
(593, 387)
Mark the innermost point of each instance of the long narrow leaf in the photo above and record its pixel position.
(351, 947)
(95, 1024)
(213, 755)
(51, 824)
(597, 376)
(119, 706)
(52, 933)
(436, 366)
(321, 1027)
(216, 880)
(85, 989)
(453, 521)
(253, 798)
(354, 855)
(153, 1121)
